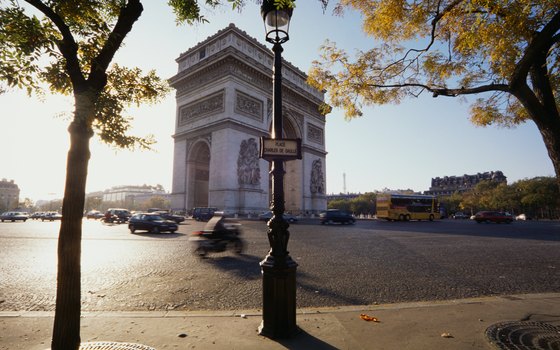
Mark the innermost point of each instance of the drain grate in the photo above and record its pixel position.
(113, 346)
(524, 336)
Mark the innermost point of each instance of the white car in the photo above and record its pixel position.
(13, 216)
(51, 216)
(523, 217)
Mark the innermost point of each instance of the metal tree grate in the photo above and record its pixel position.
(114, 346)
(524, 336)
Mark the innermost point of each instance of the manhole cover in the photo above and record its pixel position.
(113, 346)
(524, 336)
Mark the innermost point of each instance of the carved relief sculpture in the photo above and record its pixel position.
(314, 134)
(210, 105)
(248, 170)
(317, 178)
(248, 106)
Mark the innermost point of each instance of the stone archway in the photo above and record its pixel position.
(199, 174)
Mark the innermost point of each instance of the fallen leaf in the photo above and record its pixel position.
(368, 318)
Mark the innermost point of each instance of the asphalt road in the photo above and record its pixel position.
(370, 262)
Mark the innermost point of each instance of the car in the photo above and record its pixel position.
(94, 214)
(169, 216)
(460, 215)
(13, 216)
(493, 216)
(37, 215)
(332, 216)
(203, 213)
(523, 217)
(51, 216)
(122, 214)
(267, 215)
(150, 222)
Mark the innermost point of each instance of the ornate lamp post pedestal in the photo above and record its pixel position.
(278, 268)
(279, 298)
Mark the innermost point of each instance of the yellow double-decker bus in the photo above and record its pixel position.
(404, 207)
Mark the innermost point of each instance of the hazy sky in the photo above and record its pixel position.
(394, 146)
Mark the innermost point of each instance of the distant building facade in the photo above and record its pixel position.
(9, 195)
(448, 185)
(129, 194)
(345, 196)
(223, 93)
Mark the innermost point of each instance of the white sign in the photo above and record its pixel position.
(281, 149)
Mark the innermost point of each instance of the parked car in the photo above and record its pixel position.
(203, 213)
(94, 214)
(13, 216)
(334, 215)
(151, 222)
(493, 216)
(51, 216)
(523, 217)
(460, 215)
(267, 215)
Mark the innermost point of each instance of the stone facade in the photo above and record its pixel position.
(223, 93)
(450, 184)
(9, 195)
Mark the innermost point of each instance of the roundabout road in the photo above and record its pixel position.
(367, 263)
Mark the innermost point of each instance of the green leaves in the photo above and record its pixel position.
(124, 88)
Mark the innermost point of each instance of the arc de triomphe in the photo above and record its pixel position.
(223, 93)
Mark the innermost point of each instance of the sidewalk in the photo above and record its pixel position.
(455, 324)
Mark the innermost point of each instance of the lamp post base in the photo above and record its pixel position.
(279, 298)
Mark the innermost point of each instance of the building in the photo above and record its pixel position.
(223, 94)
(127, 195)
(448, 185)
(9, 195)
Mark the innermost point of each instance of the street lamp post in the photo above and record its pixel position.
(278, 268)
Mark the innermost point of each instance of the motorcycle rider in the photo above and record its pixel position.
(108, 216)
(217, 226)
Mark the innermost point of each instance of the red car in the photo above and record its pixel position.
(493, 216)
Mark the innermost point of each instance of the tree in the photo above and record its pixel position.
(537, 195)
(155, 202)
(504, 51)
(93, 203)
(69, 50)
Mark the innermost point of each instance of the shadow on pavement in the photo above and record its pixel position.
(304, 340)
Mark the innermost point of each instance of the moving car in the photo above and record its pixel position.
(493, 216)
(203, 213)
(460, 215)
(37, 215)
(150, 222)
(169, 216)
(523, 217)
(122, 214)
(13, 216)
(334, 215)
(51, 216)
(267, 215)
(94, 214)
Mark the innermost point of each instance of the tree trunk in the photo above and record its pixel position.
(551, 137)
(66, 330)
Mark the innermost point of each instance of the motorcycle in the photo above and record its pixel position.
(212, 241)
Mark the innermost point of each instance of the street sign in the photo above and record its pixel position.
(280, 149)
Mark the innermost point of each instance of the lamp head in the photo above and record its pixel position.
(276, 22)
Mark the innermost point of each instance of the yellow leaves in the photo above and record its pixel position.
(491, 111)
(390, 20)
